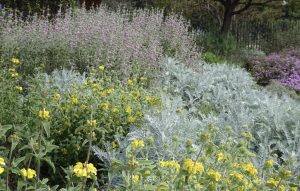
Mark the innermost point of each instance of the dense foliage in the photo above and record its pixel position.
(104, 109)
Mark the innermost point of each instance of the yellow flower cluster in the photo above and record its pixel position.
(74, 100)
(28, 173)
(84, 170)
(214, 175)
(249, 168)
(56, 97)
(44, 114)
(170, 164)
(92, 123)
(15, 61)
(273, 183)
(19, 88)
(135, 178)
(193, 167)
(269, 163)
(2, 164)
(13, 72)
(136, 143)
(101, 68)
(236, 176)
(221, 156)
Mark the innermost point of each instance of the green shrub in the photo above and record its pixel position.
(210, 57)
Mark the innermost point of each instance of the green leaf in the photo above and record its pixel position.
(17, 161)
(46, 126)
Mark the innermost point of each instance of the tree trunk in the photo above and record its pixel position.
(227, 19)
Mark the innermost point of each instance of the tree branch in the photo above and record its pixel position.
(248, 4)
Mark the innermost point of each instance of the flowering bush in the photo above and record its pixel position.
(53, 120)
(283, 67)
(126, 41)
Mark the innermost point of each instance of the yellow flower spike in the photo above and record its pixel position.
(137, 143)
(135, 178)
(15, 61)
(92, 123)
(214, 175)
(44, 114)
(101, 68)
(220, 156)
(193, 167)
(19, 88)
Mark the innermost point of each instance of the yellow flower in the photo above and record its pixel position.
(2, 162)
(272, 183)
(1, 170)
(214, 175)
(130, 82)
(221, 156)
(293, 189)
(114, 145)
(74, 100)
(105, 106)
(249, 168)
(56, 97)
(236, 176)
(44, 114)
(15, 74)
(92, 123)
(19, 88)
(29, 173)
(110, 91)
(115, 110)
(170, 164)
(143, 78)
(15, 61)
(137, 143)
(135, 178)
(84, 170)
(128, 110)
(269, 163)
(12, 70)
(193, 167)
(101, 68)
(131, 119)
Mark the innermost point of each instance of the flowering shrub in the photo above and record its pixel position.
(56, 118)
(283, 67)
(207, 164)
(125, 41)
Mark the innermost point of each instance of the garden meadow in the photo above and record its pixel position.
(126, 100)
